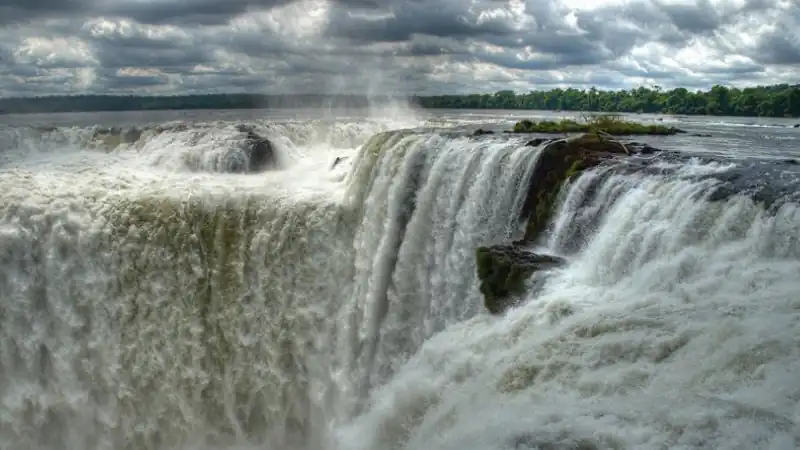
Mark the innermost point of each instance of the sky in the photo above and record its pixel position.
(391, 46)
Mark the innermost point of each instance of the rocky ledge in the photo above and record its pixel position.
(503, 270)
(259, 151)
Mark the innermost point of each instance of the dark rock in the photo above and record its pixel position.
(700, 135)
(260, 151)
(791, 161)
(560, 160)
(797, 125)
(647, 150)
(338, 160)
(481, 132)
(538, 141)
(503, 271)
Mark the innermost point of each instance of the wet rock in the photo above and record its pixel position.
(647, 150)
(503, 271)
(539, 141)
(261, 154)
(700, 135)
(481, 132)
(797, 125)
(338, 160)
(561, 160)
(771, 184)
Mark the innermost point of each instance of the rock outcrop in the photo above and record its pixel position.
(539, 141)
(111, 138)
(261, 154)
(561, 160)
(503, 271)
(339, 159)
(481, 132)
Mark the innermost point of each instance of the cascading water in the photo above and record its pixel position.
(152, 305)
(675, 324)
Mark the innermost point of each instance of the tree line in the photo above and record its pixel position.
(781, 100)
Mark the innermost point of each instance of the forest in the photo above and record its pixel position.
(781, 100)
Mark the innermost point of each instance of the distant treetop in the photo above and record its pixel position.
(781, 100)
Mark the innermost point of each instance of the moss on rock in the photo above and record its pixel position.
(560, 161)
(604, 123)
(503, 270)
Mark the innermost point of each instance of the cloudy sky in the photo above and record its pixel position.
(410, 46)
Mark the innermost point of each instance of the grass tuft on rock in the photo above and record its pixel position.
(603, 123)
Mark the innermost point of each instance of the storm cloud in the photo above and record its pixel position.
(398, 46)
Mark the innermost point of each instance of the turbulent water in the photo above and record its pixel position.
(149, 299)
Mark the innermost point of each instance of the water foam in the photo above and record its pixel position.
(151, 308)
(213, 146)
(674, 325)
(148, 306)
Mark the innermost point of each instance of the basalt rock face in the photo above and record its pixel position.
(504, 270)
(481, 132)
(507, 270)
(261, 153)
(561, 160)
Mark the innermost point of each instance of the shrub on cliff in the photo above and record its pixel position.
(503, 270)
(604, 123)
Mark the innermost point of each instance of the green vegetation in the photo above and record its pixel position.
(605, 123)
(781, 100)
(559, 162)
(503, 272)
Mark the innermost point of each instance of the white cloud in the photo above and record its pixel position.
(57, 52)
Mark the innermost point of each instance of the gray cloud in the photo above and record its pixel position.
(699, 18)
(189, 12)
(415, 46)
(20, 11)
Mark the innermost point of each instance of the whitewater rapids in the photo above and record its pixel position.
(150, 300)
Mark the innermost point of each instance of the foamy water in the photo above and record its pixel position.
(153, 301)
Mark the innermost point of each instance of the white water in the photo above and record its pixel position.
(151, 302)
(149, 305)
(676, 325)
